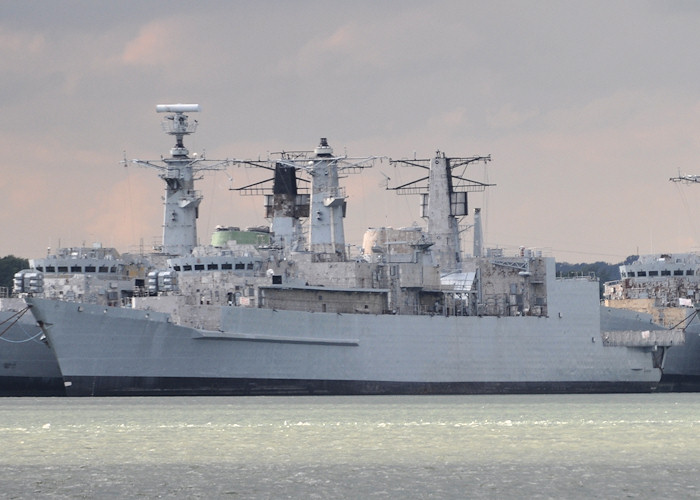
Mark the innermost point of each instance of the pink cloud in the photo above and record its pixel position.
(153, 45)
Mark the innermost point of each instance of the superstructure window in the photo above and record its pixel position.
(239, 265)
(213, 267)
(199, 267)
(76, 269)
(665, 272)
(62, 269)
(103, 269)
(653, 273)
(678, 272)
(50, 269)
(89, 269)
(226, 266)
(642, 273)
(689, 272)
(630, 274)
(187, 267)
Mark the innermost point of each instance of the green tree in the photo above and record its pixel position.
(9, 265)
(602, 270)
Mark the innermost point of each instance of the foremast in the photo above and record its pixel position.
(179, 171)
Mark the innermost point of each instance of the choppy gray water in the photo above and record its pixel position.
(559, 446)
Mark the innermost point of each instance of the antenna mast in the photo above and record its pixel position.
(443, 202)
(178, 171)
(324, 206)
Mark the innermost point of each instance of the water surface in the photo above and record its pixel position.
(559, 446)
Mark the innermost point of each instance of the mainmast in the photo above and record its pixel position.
(443, 203)
(325, 207)
(181, 206)
(328, 204)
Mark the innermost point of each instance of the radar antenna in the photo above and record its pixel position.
(177, 124)
(688, 179)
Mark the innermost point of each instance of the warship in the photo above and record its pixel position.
(98, 275)
(298, 313)
(664, 290)
(28, 366)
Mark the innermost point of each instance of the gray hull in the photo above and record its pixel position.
(681, 370)
(681, 367)
(28, 367)
(119, 351)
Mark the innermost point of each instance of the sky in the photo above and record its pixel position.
(586, 108)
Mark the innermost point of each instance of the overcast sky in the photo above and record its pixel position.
(587, 109)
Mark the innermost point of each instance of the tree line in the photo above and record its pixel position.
(9, 265)
(602, 270)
